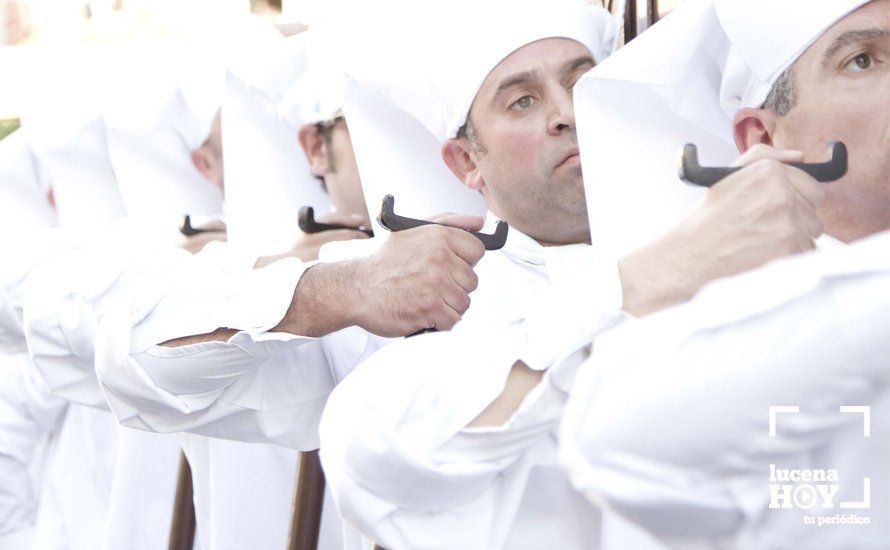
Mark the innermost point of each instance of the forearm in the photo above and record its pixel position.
(325, 301)
(661, 275)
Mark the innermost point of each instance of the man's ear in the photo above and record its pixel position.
(753, 126)
(458, 156)
(201, 162)
(315, 148)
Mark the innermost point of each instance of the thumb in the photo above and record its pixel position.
(461, 221)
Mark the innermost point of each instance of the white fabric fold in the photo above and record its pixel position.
(29, 415)
(690, 460)
(196, 384)
(402, 464)
(268, 178)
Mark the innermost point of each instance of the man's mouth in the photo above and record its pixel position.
(572, 157)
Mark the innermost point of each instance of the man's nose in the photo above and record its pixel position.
(562, 118)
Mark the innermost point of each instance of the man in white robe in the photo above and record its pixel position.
(244, 491)
(160, 184)
(27, 414)
(74, 511)
(698, 438)
(138, 469)
(412, 442)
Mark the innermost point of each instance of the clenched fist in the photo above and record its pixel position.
(419, 278)
(761, 213)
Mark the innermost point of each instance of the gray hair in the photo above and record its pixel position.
(781, 98)
(469, 131)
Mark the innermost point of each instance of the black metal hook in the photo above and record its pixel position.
(187, 230)
(392, 221)
(705, 176)
(307, 222)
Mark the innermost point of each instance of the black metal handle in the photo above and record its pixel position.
(705, 176)
(189, 231)
(307, 222)
(392, 221)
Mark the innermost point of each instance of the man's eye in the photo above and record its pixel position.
(522, 103)
(860, 63)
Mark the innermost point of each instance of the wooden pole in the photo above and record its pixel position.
(182, 528)
(630, 21)
(308, 502)
(652, 12)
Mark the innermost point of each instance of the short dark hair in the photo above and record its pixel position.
(782, 97)
(469, 131)
(325, 129)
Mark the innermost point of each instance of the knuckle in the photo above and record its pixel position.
(784, 199)
(474, 280)
(779, 198)
(427, 304)
(479, 249)
(438, 256)
(435, 279)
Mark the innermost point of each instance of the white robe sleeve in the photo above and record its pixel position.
(28, 414)
(256, 386)
(66, 295)
(377, 445)
(21, 256)
(668, 423)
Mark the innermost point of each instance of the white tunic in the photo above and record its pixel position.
(674, 434)
(29, 414)
(72, 509)
(137, 470)
(402, 465)
(257, 387)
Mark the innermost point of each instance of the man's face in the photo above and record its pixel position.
(842, 88)
(208, 157)
(342, 180)
(328, 149)
(526, 160)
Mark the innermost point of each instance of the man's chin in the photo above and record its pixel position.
(568, 179)
(570, 175)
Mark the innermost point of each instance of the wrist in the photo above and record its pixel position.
(658, 276)
(322, 303)
(350, 289)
